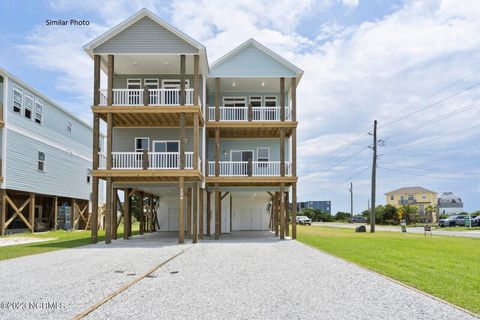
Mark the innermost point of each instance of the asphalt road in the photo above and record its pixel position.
(471, 234)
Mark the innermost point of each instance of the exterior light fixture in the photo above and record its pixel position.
(225, 152)
(263, 84)
(233, 84)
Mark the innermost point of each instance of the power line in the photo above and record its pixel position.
(427, 123)
(418, 174)
(428, 169)
(436, 102)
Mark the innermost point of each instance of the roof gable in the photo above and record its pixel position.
(144, 33)
(410, 190)
(251, 59)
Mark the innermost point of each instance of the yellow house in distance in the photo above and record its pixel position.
(417, 196)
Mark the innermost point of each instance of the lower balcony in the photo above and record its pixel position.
(146, 160)
(249, 168)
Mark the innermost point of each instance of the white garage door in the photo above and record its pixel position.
(247, 219)
(172, 219)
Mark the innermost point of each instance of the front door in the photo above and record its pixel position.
(237, 156)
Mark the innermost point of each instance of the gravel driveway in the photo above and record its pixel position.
(244, 276)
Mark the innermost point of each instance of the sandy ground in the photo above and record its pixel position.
(11, 241)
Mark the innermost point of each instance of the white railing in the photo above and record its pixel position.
(241, 113)
(134, 97)
(241, 168)
(156, 160)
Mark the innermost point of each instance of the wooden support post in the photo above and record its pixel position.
(3, 211)
(31, 215)
(218, 202)
(182, 141)
(217, 152)
(142, 213)
(96, 80)
(231, 214)
(282, 152)
(250, 113)
(200, 214)
(145, 160)
(196, 141)
(294, 211)
(275, 213)
(217, 99)
(249, 167)
(282, 99)
(114, 213)
(195, 211)
(95, 180)
(55, 212)
(108, 212)
(109, 140)
(110, 74)
(73, 217)
(181, 228)
(196, 79)
(209, 212)
(189, 213)
(146, 96)
(182, 80)
(294, 99)
(282, 211)
(287, 210)
(126, 210)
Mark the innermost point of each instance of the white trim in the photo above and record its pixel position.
(139, 80)
(255, 96)
(235, 97)
(44, 141)
(151, 79)
(187, 83)
(135, 143)
(252, 151)
(40, 102)
(268, 148)
(270, 100)
(4, 131)
(44, 161)
(165, 141)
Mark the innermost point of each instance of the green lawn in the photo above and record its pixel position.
(63, 240)
(446, 267)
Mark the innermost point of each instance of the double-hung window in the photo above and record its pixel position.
(271, 112)
(41, 161)
(235, 109)
(153, 96)
(141, 144)
(17, 99)
(28, 105)
(134, 94)
(263, 154)
(256, 103)
(38, 111)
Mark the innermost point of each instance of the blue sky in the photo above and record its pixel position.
(396, 61)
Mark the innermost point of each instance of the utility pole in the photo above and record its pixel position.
(374, 177)
(351, 200)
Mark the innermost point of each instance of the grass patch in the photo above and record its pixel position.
(457, 228)
(446, 267)
(63, 240)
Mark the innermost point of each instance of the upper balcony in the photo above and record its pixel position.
(148, 97)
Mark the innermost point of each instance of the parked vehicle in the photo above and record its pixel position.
(476, 221)
(358, 219)
(452, 221)
(304, 220)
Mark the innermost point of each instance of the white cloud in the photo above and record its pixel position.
(350, 4)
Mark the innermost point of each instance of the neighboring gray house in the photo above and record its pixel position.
(208, 149)
(449, 203)
(46, 160)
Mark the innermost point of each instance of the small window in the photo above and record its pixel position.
(256, 101)
(424, 196)
(263, 154)
(69, 126)
(38, 111)
(141, 144)
(41, 161)
(392, 197)
(28, 102)
(410, 197)
(270, 101)
(89, 175)
(17, 99)
(134, 83)
(174, 84)
(234, 101)
(151, 83)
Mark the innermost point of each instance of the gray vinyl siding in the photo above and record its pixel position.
(145, 36)
(68, 155)
(124, 138)
(65, 174)
(251, 62)
(247, 145)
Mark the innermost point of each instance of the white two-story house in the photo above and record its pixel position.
(208, 149)
(46, 161)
